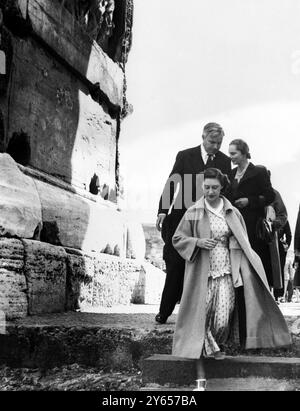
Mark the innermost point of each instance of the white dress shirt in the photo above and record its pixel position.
(205, 155)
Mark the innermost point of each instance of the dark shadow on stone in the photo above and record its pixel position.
(50, 233)
(37, 232)
(105, 192)
(108, 250)
(94, 184)
(117, 251)
(19, 148)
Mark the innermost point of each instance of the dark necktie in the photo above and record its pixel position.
(210, 162)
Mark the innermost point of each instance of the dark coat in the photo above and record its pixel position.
(297, 238)
(265, 324)
(186, 173)
(256, 186)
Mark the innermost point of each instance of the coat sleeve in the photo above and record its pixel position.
(183, 240)
(280, 211)
(266, 193)
(174, 178)
(288, 234)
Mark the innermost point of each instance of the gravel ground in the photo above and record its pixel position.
(69, 378)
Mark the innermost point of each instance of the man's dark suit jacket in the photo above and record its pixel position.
(186, 170)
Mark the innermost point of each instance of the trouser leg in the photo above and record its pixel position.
(173, 285)
(280, 291)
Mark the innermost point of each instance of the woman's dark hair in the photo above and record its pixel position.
(242, 146)
(216, 173)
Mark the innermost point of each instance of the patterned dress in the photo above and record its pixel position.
(220, 297)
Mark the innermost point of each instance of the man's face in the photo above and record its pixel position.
(212, 143)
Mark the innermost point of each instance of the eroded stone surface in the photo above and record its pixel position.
(20, 208)
(115, 280)
(136, 245)
(45, 270)
(13, 300)
(100, 280)
(81, 223)
(150, 285)
(80, 278)
(154, 245)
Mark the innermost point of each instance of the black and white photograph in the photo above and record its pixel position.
(149, 198)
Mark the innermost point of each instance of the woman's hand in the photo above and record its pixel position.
(241, 202)
(207, 243)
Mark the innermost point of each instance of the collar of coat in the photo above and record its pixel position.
(251, 171)
(227, 204)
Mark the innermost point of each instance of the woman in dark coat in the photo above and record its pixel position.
(250, 192)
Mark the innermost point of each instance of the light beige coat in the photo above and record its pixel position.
(266, 326)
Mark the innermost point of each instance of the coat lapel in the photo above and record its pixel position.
(250, 172)
(196, 160)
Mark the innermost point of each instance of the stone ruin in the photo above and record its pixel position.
(65, 244)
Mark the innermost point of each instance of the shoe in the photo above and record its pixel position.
(160, 319)
(219, 355)
(201, 385)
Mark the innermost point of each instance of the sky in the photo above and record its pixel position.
(233, 62)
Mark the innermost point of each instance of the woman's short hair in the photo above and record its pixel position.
(242, 146)
(217, 174)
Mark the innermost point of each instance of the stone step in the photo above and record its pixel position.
(165, 369)
(234, 384)
(116, 341)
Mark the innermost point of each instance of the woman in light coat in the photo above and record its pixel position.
(213, 240)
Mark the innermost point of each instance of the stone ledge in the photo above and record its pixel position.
(116, 341)
(162, 369)
(39, 278)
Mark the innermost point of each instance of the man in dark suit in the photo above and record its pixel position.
(182, 189)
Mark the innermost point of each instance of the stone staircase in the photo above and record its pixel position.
(132, 341)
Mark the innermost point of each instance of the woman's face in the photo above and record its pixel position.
(235, 155)
(211, 189)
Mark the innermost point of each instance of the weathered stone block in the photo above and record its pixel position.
(45, 270)
(99, 280)
(13, 299)
(154, 245)
(115, 280)
(71, 136)
(136, 245)
(81, 223)
(56, 27)
(20, 208)
(80, 279)
(150, 285)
